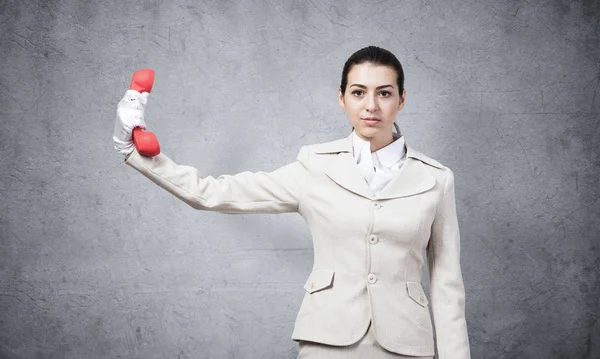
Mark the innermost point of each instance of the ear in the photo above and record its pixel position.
(402, 100)
(341, 99)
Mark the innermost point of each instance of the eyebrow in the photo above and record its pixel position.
(377, 88)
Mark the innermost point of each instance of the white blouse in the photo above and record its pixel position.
(378, 167)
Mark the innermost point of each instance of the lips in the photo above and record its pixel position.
(371, 120)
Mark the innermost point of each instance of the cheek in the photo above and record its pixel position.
(391, 108)
(353, 110)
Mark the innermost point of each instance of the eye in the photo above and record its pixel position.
(355, 92)
(386, 93)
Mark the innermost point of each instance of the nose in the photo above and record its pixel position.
(372, 103)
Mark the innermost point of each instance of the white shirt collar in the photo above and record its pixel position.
(388, 155)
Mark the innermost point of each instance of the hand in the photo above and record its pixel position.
(130, 114)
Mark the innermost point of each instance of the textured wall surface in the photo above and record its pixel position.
(98, 262)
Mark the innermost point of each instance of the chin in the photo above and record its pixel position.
(368, 132)
(368, 129)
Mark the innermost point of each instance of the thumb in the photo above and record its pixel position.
(144, 97)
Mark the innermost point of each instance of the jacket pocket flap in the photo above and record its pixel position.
(319, 279)
(415, 291)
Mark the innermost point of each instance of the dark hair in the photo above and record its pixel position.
(377, 56)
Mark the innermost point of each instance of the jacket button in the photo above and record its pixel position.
(376, 205)
(373, 239)
(422, 299)
(372, 278)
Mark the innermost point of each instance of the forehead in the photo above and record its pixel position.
(369, 74)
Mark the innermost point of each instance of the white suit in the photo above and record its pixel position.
(367, 246)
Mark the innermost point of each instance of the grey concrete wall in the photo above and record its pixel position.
(98, 262)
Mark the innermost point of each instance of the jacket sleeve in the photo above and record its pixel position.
(446, 283)
(245, 192)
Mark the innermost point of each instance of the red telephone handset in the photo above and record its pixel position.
(146, 143)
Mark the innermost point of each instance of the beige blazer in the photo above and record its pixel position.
(368, 248)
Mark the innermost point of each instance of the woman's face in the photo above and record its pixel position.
(372, 91)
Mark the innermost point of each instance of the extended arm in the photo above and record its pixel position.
(278, 191)
(446, 283)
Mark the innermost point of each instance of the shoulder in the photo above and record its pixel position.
(306, 152)
(335, 146)
(441, 172)
(416, 154)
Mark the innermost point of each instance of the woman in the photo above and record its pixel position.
(373, 205)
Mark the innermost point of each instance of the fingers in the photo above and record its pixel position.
(125, 149)
(130, 119)
(131, 108)
(130, 114)
(134, 100)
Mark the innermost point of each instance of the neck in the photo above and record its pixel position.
(379, 142)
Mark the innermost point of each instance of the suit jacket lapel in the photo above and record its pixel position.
(412, 178)
(340, 165)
